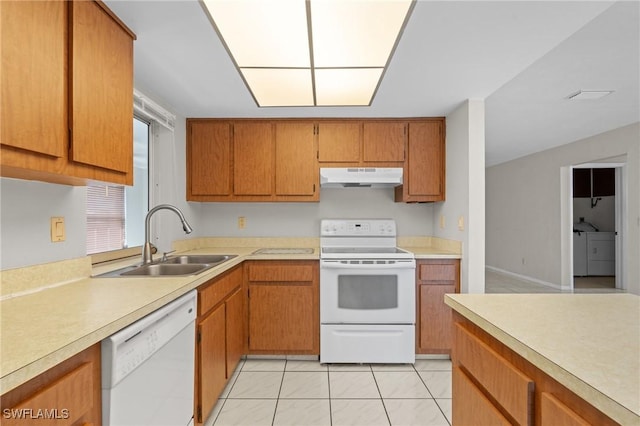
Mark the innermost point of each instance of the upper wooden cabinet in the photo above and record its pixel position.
(424, 170)
(384, 141)
(271, 161)
(67, 93)
(339, 142)
(296, 163)
(280, 159)
(209, 158)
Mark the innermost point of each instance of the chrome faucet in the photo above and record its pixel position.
(147, 257)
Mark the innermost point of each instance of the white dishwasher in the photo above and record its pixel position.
(148, 368)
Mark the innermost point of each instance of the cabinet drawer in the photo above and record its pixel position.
(437, 272)
(220, 288)
(68, 399)
(280, 273)
(507, 385)
(470, 406)
(552, 411)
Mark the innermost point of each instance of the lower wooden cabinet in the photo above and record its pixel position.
(68, 394)
(494, 385)
(284, 316)
(219, 340)
(434, 279)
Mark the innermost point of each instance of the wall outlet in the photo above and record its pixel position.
(242, 222)
(442, 221)
(461, 223)
(57, 229)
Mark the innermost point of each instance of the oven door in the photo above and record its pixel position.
(367, 291)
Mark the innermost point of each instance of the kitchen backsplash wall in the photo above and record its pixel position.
(303, 219)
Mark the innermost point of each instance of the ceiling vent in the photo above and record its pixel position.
(588, 95)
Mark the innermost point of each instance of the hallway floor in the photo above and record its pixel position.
(301, 392)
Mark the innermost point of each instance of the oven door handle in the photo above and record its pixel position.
(397, 264)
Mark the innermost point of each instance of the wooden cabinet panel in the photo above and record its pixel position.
(101, 89)
(470, 406)
(234, 330)
(72, 388)
(283, 312)
(279, 272)
(512, 389)
(218, 289)
(436, 318)
(34, 44)
(424, 170)
(581, 183)
(554, 412)
(209, 158)
(296, 162)
(281, 317)
(384, 141)
(212, 360)
(434, 322)
(339, 142)
(253, 158)
(604, 182)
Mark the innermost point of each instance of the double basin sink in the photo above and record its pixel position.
(183, 265)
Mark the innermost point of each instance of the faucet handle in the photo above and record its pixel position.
(164, 255)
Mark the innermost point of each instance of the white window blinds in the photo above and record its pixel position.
(105, 218)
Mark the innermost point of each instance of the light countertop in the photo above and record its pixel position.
(590, 343)
(63, 315)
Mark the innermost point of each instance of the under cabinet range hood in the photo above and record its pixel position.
(374, 177)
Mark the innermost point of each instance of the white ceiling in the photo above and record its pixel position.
(523, 58)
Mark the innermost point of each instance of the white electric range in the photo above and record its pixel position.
(367, 293)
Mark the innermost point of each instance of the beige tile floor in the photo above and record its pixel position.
(307, 393)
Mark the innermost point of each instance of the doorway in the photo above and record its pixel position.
(595, 216)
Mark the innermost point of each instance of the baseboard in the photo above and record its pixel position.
(522, 277)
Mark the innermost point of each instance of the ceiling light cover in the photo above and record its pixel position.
(310, 52)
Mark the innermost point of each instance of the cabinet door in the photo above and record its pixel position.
(253, 158)
(434, 279)
(384, 141)
(425, 164)
(553, 411)
(212, 360)
(296, 163)
(339, 142)
(281, 317)
(209, 158)
(235, 330)
(470, 406)
(34, 76)
(435, 318)
(101, 99)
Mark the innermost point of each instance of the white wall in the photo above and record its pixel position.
(26, 208)
(524, 200)
(465, 194)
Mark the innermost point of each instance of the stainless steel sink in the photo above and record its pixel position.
(168, 269)
(183, 265)
(211, 259)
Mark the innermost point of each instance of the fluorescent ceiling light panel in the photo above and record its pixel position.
(583, 95)
(274, 42)
(263, 33)
(280, 87)
(355, 33)
(346, 86)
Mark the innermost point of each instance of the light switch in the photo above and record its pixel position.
(57, 229)
(442, 221)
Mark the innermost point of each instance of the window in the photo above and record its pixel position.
(115, 213)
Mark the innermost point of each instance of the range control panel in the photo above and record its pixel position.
(358, 228)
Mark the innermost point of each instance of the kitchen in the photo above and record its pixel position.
(26, 242)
